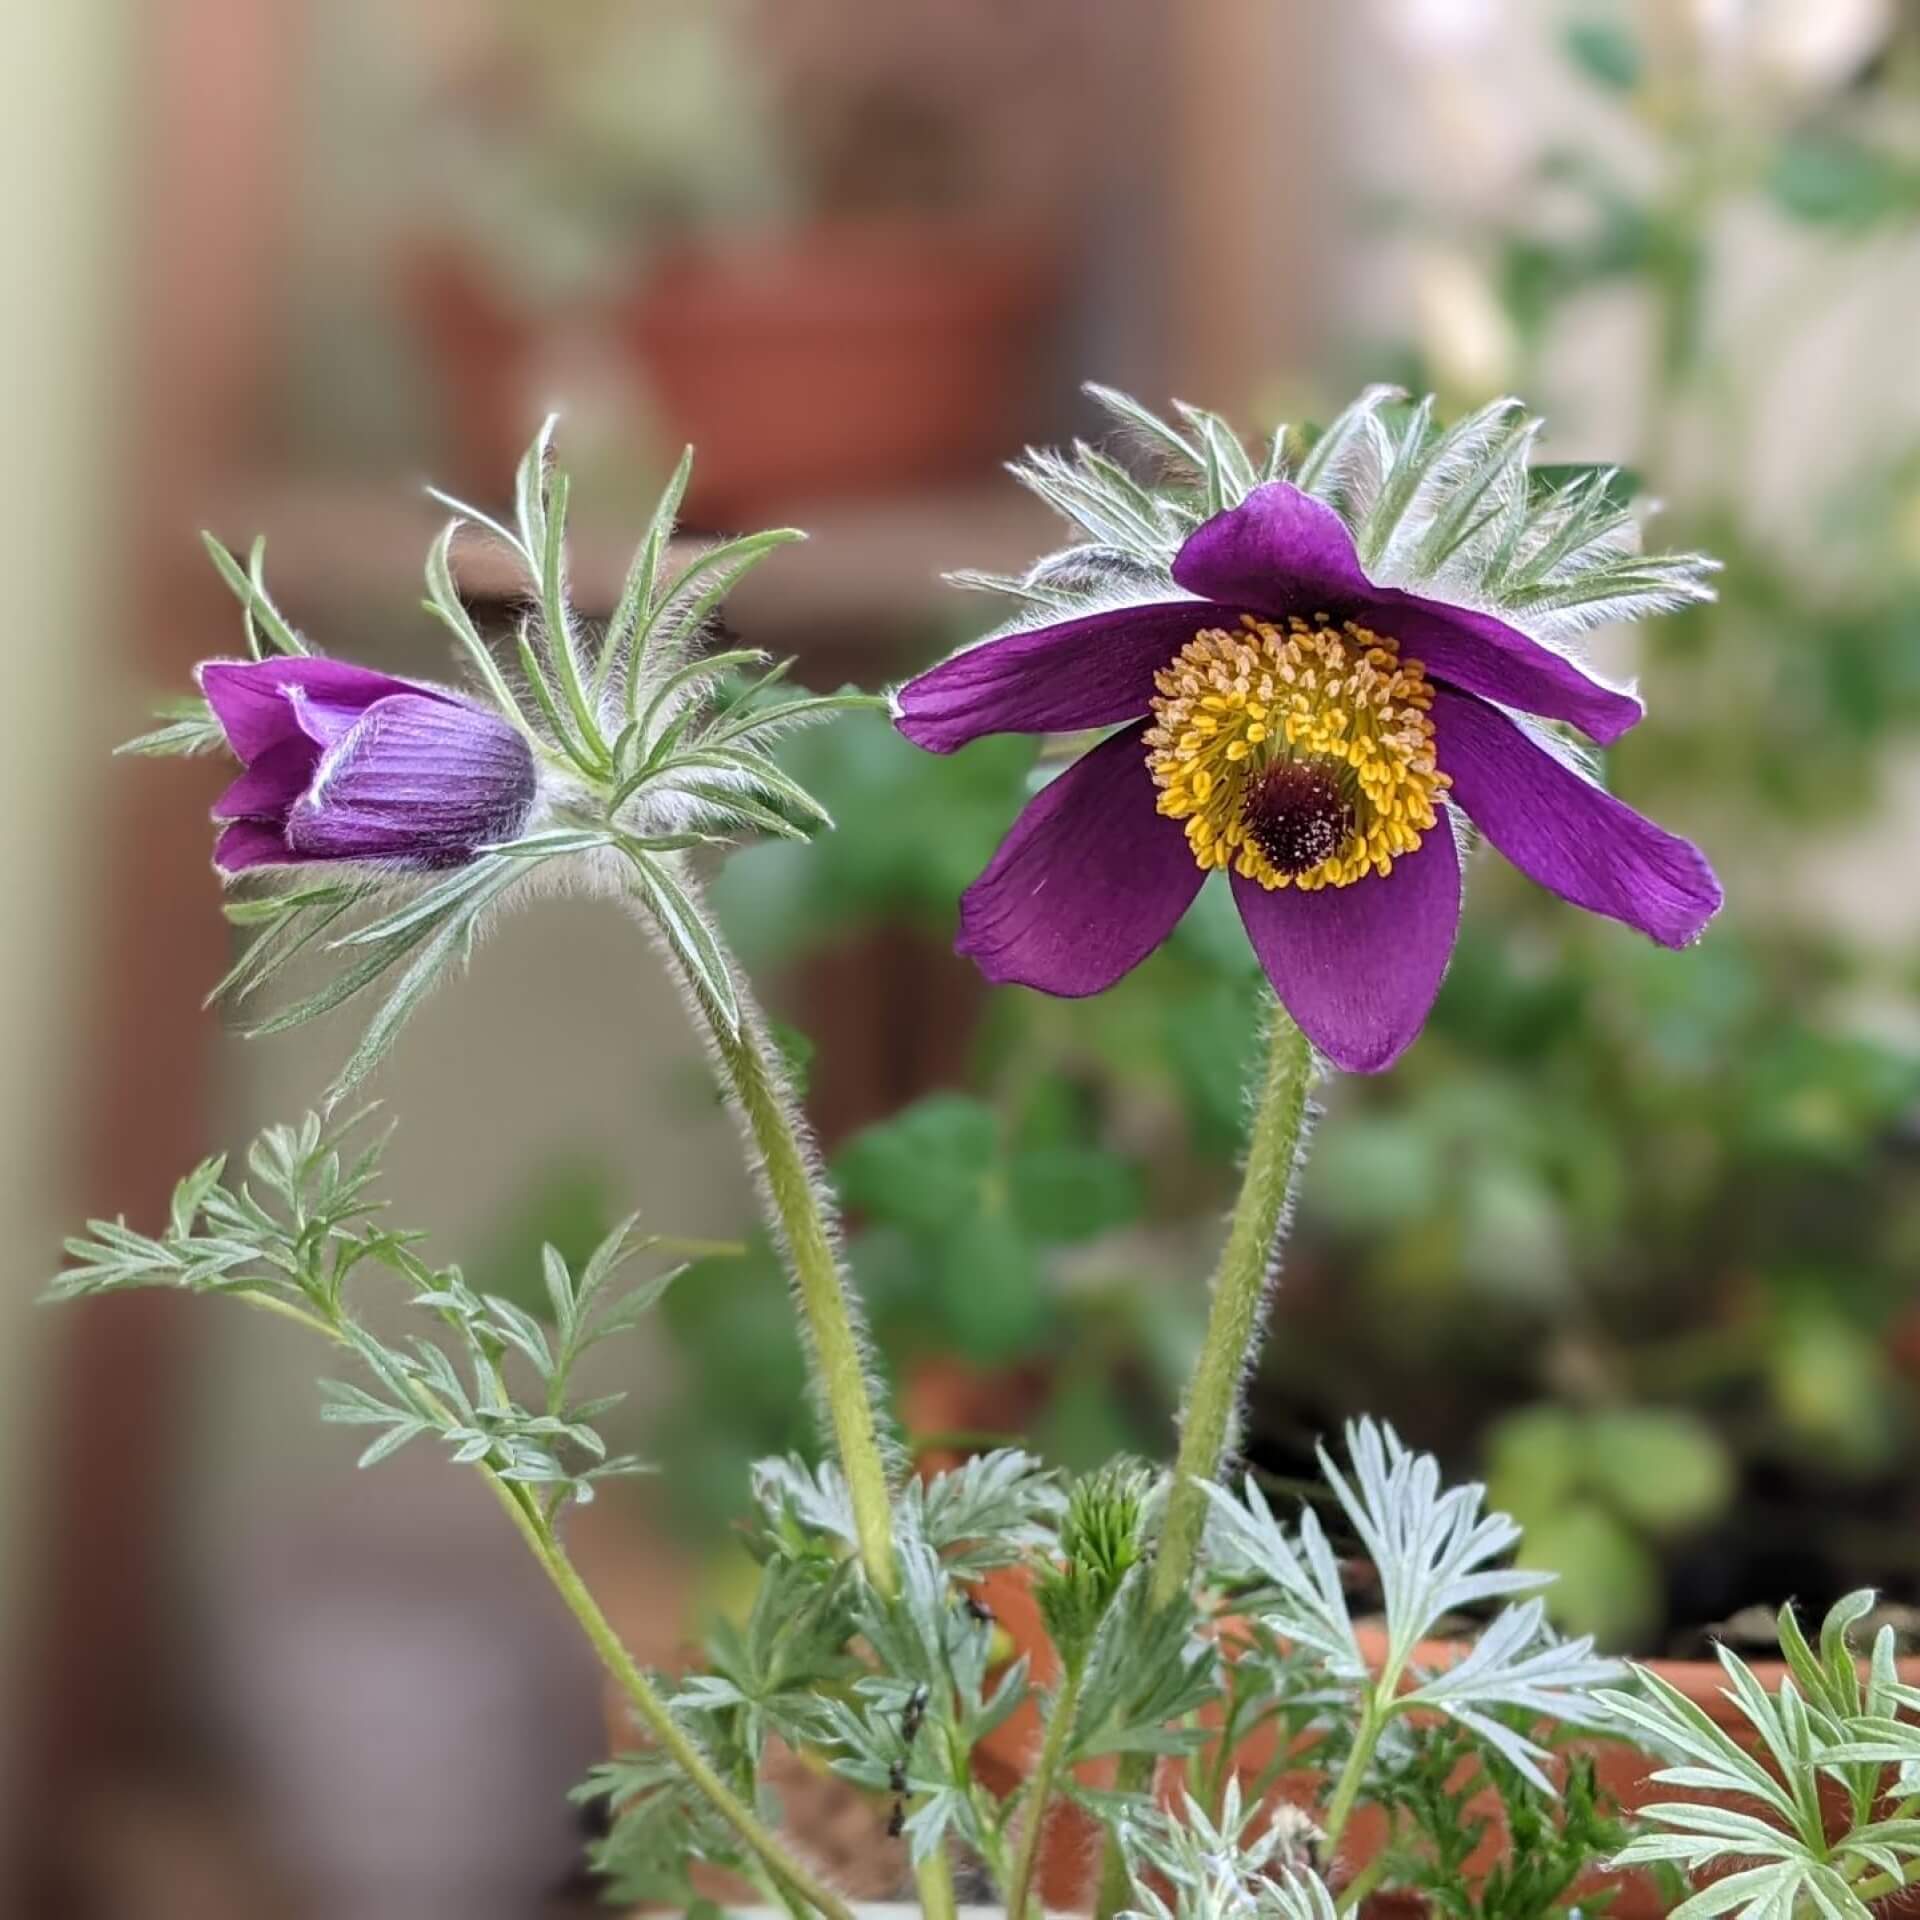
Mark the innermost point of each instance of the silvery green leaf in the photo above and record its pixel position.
(429, 905)
(1301, 1595)
(1148, 1675)
(189, 728)
(533, 671)
(637, 593)
(265, 626)
(681, 613)
(291, 922)
(563, 645)
(816, 1496)
(1709, 1759)
(1517, 1662)
(1433, 1547)
(444, 602)
(530, 491)
(1245, 1865)
(684, 927)
(505, 535)
(525, 1332)
(987, 1512)
(1447, 511)
(192, 1193)
(450, 943)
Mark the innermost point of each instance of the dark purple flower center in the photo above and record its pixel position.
(1296, 814)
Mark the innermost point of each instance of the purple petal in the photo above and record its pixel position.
(1088, 883)
(1479, 654)
(1560, 829)
(259, 703)
(1358, 966)
(1092, 672)
(271, 784)
(421, 779)
(251, 843)
(1281, 552)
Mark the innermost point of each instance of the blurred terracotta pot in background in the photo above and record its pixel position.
(837, 358)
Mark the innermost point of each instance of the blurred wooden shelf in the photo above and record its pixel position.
(868, 566)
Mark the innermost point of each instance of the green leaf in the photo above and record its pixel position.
(923, 1169)
(1836, 179)
(1618, 487)
(685, 929)
(726, 564)
(249, 588)
(1536, 1460)
(1073, 1193)
(535, 675)
(1605, 52)
(1145, 422)
(444, 603)
(293, 921)
(189, 728)
(450, 942)
(1664, 1468)
(430, 904)
(530, 491)
(992, 1300)
(562, 643)
(1608, 1585)
(636, 593)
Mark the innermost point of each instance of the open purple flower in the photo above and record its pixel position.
(346, 764)
(1312, 733)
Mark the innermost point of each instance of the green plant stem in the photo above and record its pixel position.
(1882, 1884)
(1239, 1293)
(1227, 1351)
(533, 1528)
(1374, 1714)
(1046, 1771)
(800, 1211)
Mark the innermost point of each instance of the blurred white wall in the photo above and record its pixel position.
(62, 186)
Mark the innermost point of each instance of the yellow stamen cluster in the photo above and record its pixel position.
(1308, 715)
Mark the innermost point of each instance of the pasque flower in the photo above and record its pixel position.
(1314, 734)
(343, 763)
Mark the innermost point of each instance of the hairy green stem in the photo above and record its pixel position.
(800, 1217)
(1046, 1771)
(800, 1210)
(1239, 1295)
(1227, 1351)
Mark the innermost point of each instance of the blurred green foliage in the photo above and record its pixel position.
(1679, 1191)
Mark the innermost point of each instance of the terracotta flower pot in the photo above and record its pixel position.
(838, 358)
(843, 358)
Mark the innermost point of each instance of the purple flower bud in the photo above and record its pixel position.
(346, 764)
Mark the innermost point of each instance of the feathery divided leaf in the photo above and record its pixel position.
(1823, 1722)
(1451, 511)
(292, 1235)
(1240, 1866)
